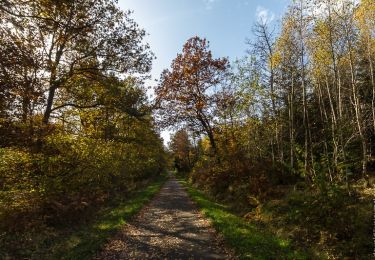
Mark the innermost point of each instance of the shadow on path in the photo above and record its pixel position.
(169, 227)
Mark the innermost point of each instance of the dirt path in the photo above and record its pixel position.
(170, 227)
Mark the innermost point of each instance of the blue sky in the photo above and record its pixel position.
(225, 23)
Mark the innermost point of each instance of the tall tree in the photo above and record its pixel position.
(186, 93)
(263, 48)
(365, 16)
(83, 38)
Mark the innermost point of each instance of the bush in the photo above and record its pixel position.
(70, 174)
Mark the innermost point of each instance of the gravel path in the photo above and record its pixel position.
(169, 227)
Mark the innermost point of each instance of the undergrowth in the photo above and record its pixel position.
(297, 224)
(80, 241)
(249, 240)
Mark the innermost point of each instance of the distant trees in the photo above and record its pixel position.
(182, 150)
(186, 93)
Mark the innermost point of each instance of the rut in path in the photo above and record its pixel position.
(169, 227)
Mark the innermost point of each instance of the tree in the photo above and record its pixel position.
(186, 93)
(287, 74)
(86, 39)
(181, 147)
(263, 48)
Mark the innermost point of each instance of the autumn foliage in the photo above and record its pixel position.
(290, 124)
(294, 119)
(76, 128)
(186, 94)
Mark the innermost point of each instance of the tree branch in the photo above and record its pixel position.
(75, 106)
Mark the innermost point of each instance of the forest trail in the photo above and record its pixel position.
(169, 227)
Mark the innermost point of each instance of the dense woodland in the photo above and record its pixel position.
(295, 116)
(302, 100)
(297, 113)
(76, 126)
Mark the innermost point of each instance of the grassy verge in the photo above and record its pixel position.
(84, 240)
(247, 239)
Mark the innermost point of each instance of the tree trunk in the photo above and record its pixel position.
(371, 67)
(48, 110)
(357, 108)
(304, 96)
(291, 124)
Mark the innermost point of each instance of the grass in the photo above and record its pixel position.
(249, 240)
(84, 240)
(83, 243)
